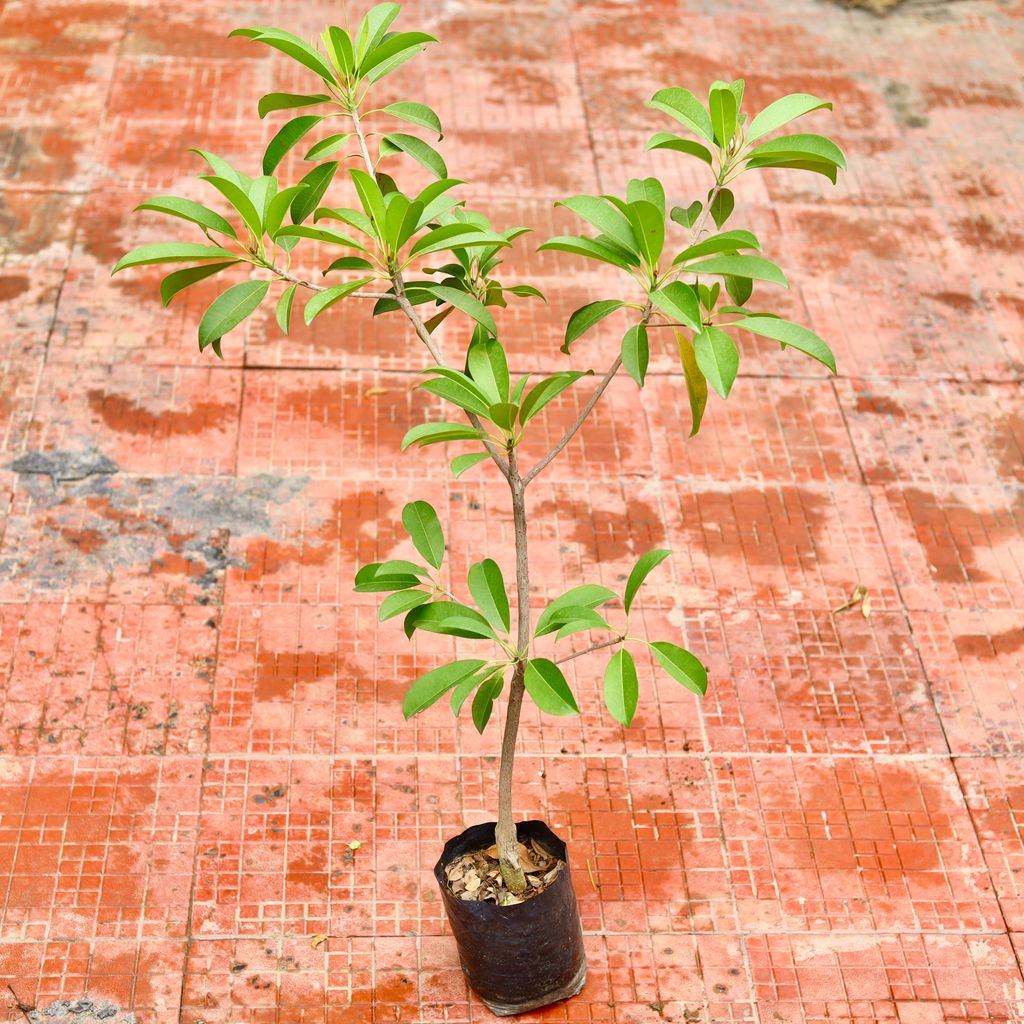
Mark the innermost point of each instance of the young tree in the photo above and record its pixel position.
(695, 292)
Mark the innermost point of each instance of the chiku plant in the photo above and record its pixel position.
(700, 294)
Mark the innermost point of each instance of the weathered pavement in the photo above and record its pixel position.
(197, 716)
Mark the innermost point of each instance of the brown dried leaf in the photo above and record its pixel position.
(317, 941)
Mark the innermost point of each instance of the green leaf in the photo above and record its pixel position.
(329, 296)
(289, 101)
(688, 217)
(374, 25)
(328, 146)
(648, 226)
(171, 252)
(278, 207)
(723, 109)
(548, 688)
(667, 140)
(420, 151)
(464, 689)
(739, 289)
(682, 666)
(640, 572)
(437, 433)
(392, 53)
(488, 366)
(483, 702)
(188, 210)
(400, 602)
(801, 338)
(578, 620)
(682, 105)
(284, 308)
(588, 248)
(291, 45)
(717, 358)
(430, 688)
(696, 382)
(727, 241)
(822, 167)
(605, 217)
(782, 111)
(319, 235)
(636, 353)
(814, 148)
(222, 168)
(458, 390)
(350, 263)
(525, 290)
(418, 114)
(378, 577)
(181, 279)
(463, 463)
(589, 596)
(449, 618)
(487, 585)
(547, 390)
(450, 236)
(587, 317)
(756, 267)
(466, 303)
(289, 134)
(503, 414)
(677, 301)
(229, 309)
(421, 523)
(621, 687)
(647, 190)
(722, 205)
(338, 45)
(313, 186)
(240, 201)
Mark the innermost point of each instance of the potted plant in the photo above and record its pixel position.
(422, 254)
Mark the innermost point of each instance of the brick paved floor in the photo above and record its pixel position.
(197, 716)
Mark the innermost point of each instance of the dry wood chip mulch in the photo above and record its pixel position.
(477, 876)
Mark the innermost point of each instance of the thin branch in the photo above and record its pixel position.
(587, 650)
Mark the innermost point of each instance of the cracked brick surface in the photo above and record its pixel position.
(198, 719)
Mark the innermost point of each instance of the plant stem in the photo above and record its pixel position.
(505, 836)
(593, 647)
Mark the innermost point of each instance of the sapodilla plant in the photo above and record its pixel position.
(427, 257)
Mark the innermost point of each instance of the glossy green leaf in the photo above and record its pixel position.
(393, 53)
(717, 358)
(465, 688)
(449, 236)
(283, 311)
(466, 303)
(487, 586)
(416, 113)
(350, 263)
(188, 210)
(605, 217)
(588, 248)
(278, 207)
(648, 225)
(589, 595)
(289, 101)
(400, 602)
(171, 252)
(668, 140)
(682, 666)
(488, 366)
(800, 147)
(682, 105)
(438, 433)
(328, 146)
(449, 618)
(229, 309)
(727, 241)
(648, 190)
(801, 338)
(696, 382)
(586, 317)
(423, 153)
(289, 44)
(240, 201)
(463, 463)
(722, 205)
(503, 415)
(483, 702)
(313, 185)
(739, 289)
(688, 217)
(430, 688)
(329, 296)
(338, 45)
(285, 139)
(782, 111)
(621, 687)
(640, 572)
(325, 235)
(458, 391)
(182, 279)
(548, 688)
(578, 620)
(756, 267)
(546, 391)
(372, 28)
(636, 353)
(822, 167)
(424, 528)
(677, 301)
(380, 577)
(723, 109)
(222, 169)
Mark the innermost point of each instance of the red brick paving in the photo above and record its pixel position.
(197, 716)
